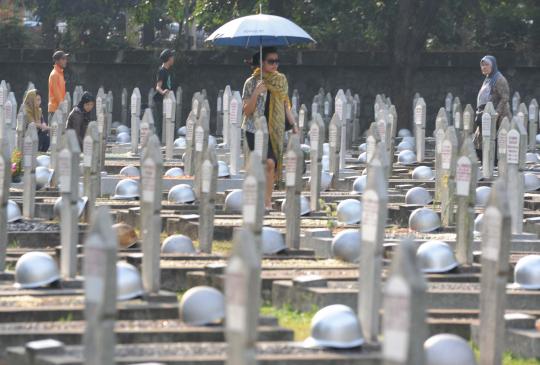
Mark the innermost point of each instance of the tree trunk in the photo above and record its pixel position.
(411, 26)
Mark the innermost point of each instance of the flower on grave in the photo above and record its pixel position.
(16, 163)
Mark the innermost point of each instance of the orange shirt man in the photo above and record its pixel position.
(57, 83)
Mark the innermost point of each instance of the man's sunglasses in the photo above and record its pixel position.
(274, 61)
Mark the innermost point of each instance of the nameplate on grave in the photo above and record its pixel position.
(290, 170)
(95, 260)
(314, 138)
(332, 136)
(199, 139)
(512, 147)
(486, 125)
(446, 154)
(396, 320)
(233, 112)
(64, 171)
(491, 241)
(206, 176)
(148, 180)
(88, 145)
(370, 215)
(503, 134)
(236, 296)
(250, 200)
(418, 113)
(28, 151)
(463, 176)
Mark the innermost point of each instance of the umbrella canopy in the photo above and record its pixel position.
(261, 30)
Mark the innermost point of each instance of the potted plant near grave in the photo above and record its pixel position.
(16, 165)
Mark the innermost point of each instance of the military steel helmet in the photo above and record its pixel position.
(128, 281)
(115, 124)
(436, 257)
(362, 147)
(43, 177)
(223, 169)
(181, 131)
(125, 234)
(424, 220)
(34, 270)
(326, 149)
(305, 148)
(335, 326)
(404, 133)
(418, 196)
(423, 173)
(406, 157)
(531, 157)
(180, 142)
(126, 189)
(123, 137)
(202, 305)
(360, 184)
(362, 158)
(182, 194)
(122, 129)
(538, 138)
(527, 273)
(272, 241)
(349, 211)
(325, 163)
(174, 172)
(482, 195)
(13, 212)
(234, 202)
(177, 243)
(81, 203)
(326, 180)
(532, 182)
(130, 171)
(43, 160)
(304, 206)
(478, 222)
(405, 146)
(448, 349)
(346, 245)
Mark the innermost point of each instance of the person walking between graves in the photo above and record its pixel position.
(495, 89)
(268, 97)
(80, 116)
(33, 114)
(163, 86)
(57, 83)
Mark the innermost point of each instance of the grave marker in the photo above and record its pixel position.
(374, 213)
(516, 100)
(466, 180)
(496, 238)
(168, 128)
(449, 150)
(124, 107)
(502, 135)
(99, 263)
(340, 111)
(227, 95)
(516, 146)
(441, 123)
(151, 194)
(219, 114)
(334, 139)
(261, 139)
(235, 118)
(293, 182)
(5, 181)
(189, 155)
(207, 198)
(21, 126)
(420, 128)
(135, 122)
(316, 138)
(253, 195)
(91, 173)
(29, 166)
(178, 113)
(468, 119)
(488, 130)
(200, 138)
(404, 322)
(68, 172)
(533, 124)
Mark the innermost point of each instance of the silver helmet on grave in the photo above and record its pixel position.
(531, 158)
(202, 305)
(405, 146)
(423, 173)
(126, 189)
(424, 220)
(406, 157)
(482, 196)
(335, 326)
(359, 184)
(223, 169)
(13, 211)
(123, 137)
(272, 241)
(122, 129)
(43, 160)
(362, 158)
(81, 203)
(362, 147)
(130, 171)
(478, 222)
(35, 270)
(448, 349)
(234, 202)
(527, 273)
(418, 196)
(181, 131)
(346, 245)
(436, 257)
(532, 182)
(349, 211)
(180, 142)
(182, 194)
(304, 206)
(404, 132)
(128, 281)
(178, 243)
(174, 172)
(43, 177)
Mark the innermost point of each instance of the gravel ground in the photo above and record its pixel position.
(25, 226)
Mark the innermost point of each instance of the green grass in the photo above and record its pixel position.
(510, 359)
(299, 322)
(218, 247)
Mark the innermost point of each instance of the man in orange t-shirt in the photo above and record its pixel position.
(57, 83)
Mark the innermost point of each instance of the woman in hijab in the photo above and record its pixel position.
(80, 116)
(33, 114)
(268, 97)
(495, 89)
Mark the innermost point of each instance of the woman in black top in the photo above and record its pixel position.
(80, 116)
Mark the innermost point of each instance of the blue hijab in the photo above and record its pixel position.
(484, 95)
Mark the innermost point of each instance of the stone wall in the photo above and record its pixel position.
(364, 73)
